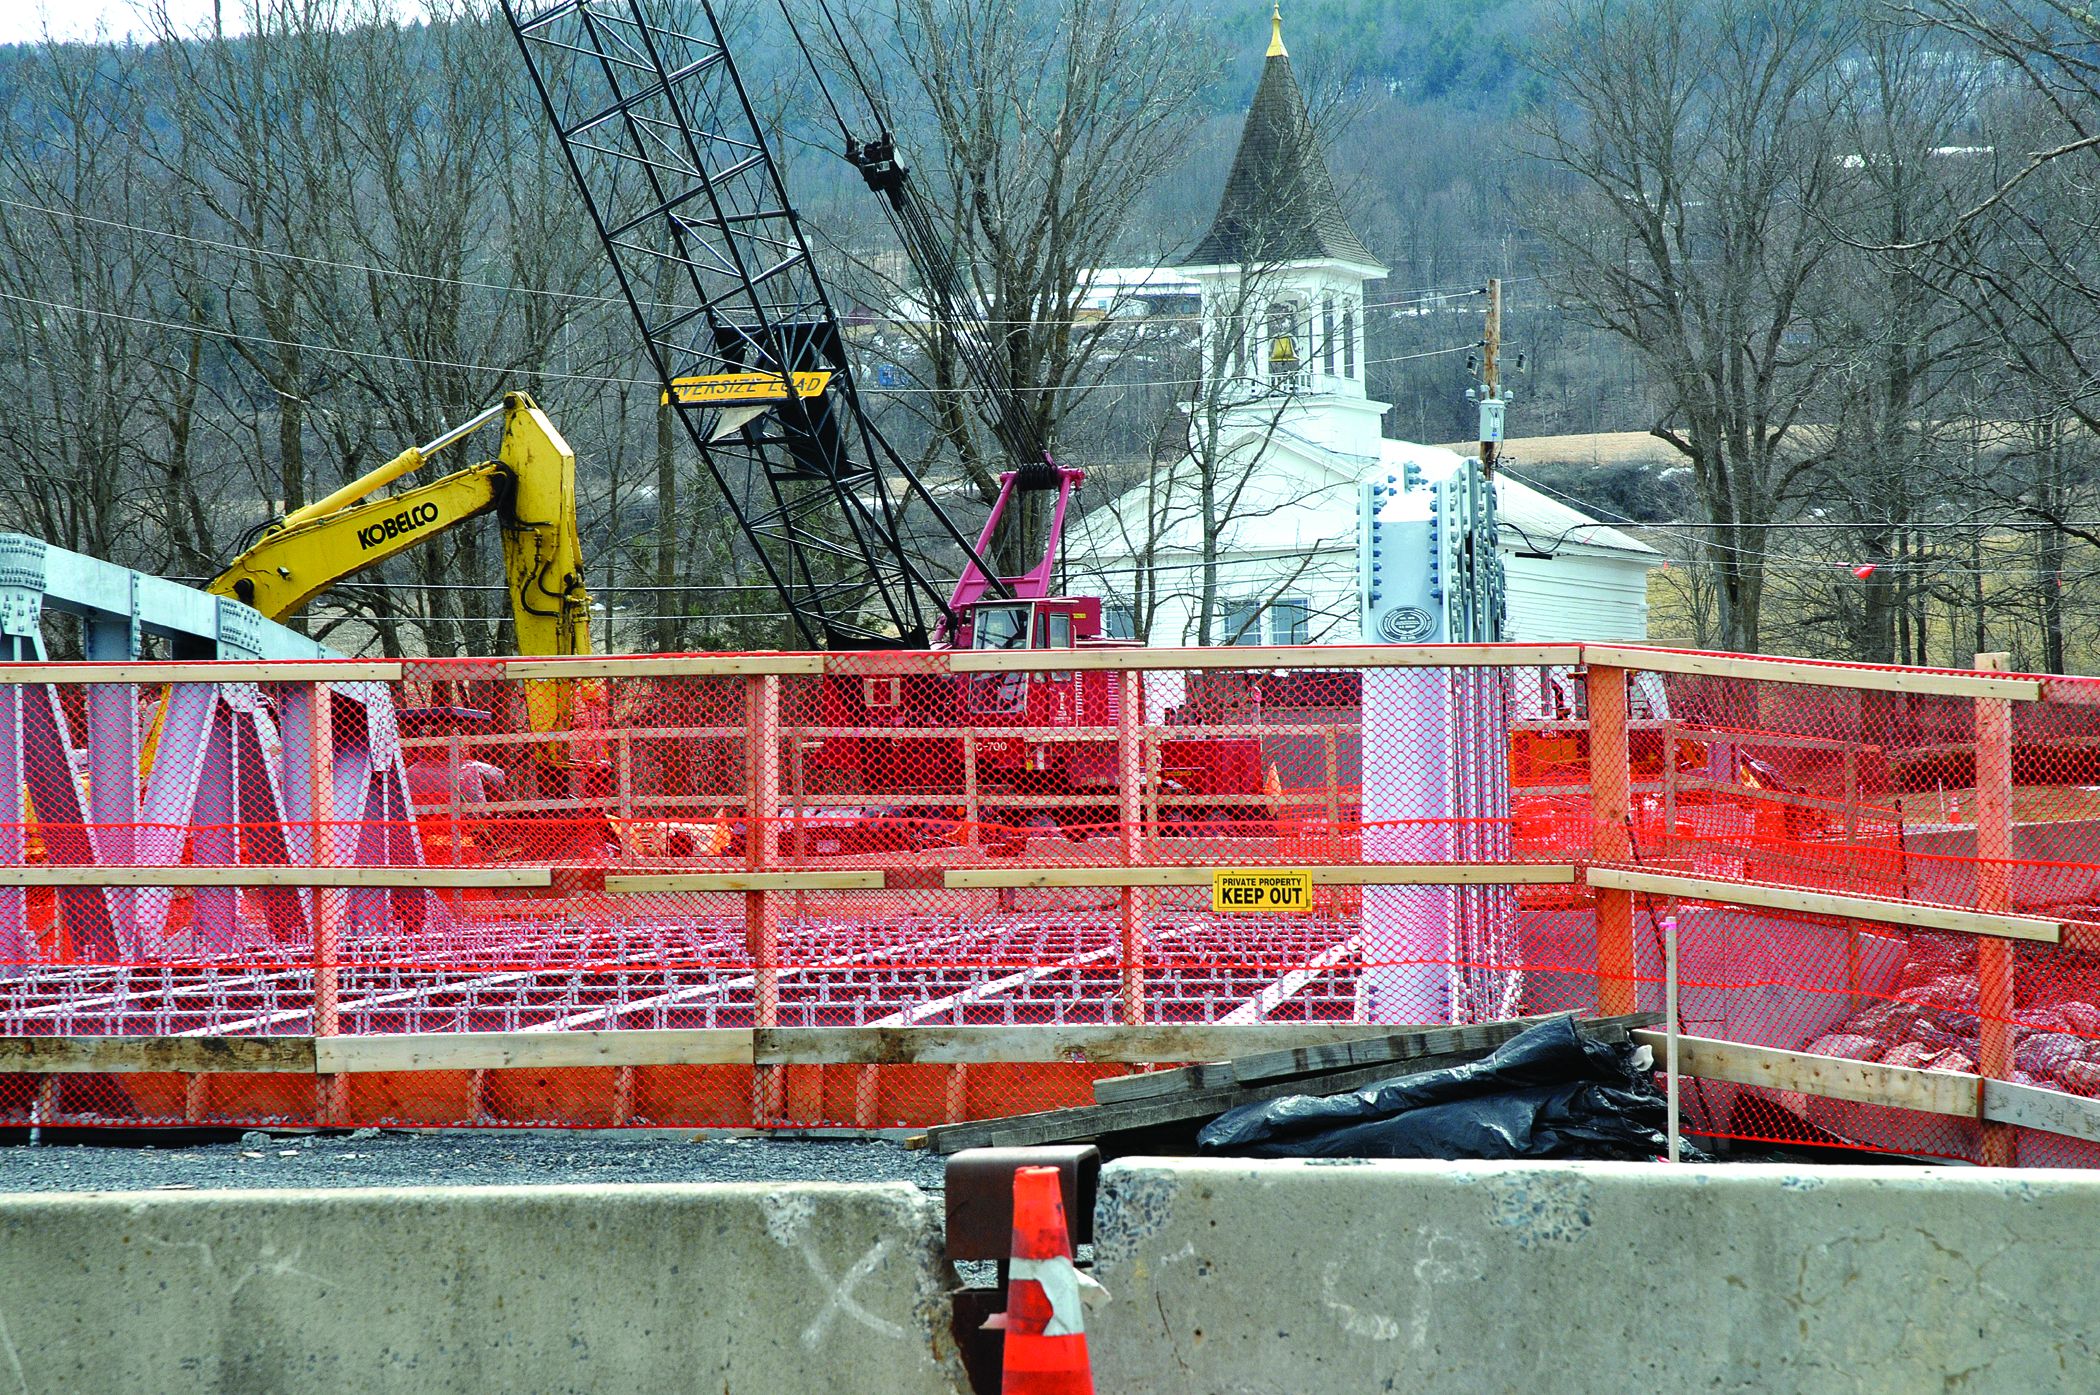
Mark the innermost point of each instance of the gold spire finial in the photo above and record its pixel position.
(1276, 48)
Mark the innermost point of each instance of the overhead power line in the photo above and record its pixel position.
(611, 379)
(1402, 299)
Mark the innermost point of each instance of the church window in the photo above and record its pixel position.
(1286, 358)
(1327, 336)
(1236, 326)
(1349, 339)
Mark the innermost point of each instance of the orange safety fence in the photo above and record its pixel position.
(715, 844)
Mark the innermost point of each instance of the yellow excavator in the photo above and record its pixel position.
(530, 486)
(531, 489)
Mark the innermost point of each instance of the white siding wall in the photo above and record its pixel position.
(1570, 597)
(1576, 597)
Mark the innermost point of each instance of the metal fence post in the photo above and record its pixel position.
(1994, 956)
(1611, 839)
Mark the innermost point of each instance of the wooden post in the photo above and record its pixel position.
(624, 753)
(1152, 790)
(761, 908)
(971, 812)
(796, 799)
(330, 1093)
(1994, 956)
(1669, 783)
(1331, 740)
(1611, 840)
(1130, 786)
(455, 767)
(865, 1085)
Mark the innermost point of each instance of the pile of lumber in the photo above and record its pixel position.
(1190, 1095)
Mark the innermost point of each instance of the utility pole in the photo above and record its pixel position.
(1491, 403)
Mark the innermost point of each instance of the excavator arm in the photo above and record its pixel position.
(530, 486)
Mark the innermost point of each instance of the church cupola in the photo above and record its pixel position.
(1282, 274)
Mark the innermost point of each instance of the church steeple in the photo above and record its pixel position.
(1279, 203)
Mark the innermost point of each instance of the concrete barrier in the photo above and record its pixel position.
(1347, 1277)
(625, 1289)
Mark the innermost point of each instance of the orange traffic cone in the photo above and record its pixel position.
(1045, 1319)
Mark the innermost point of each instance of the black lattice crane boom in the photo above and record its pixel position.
(672, 164)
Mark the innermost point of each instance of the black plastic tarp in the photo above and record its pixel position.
(1549, 1092)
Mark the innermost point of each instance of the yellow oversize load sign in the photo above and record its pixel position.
(1245, 889)
(728, 389)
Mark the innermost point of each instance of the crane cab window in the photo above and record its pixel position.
(1000, 627)
(1053, 630)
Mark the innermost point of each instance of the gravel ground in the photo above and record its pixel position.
(372, 1159)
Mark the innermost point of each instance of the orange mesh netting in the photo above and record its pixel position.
(894, 810)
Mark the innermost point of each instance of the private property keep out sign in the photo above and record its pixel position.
(1242, 890)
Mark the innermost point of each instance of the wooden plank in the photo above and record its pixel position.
(1802, 801)
(696, 1046)
(1092, 1121)
(2073, 692)
(210, 671)
(1315, 656)
(1138, 1045)
(1866, 1082)
(541, 738)
(860, 879)
(2034, 1107)
(1889, 680)
(258, 875)
(69, 1055)
(1391, 1043)
(665, 666)
(1323, 874)
(1830, 903)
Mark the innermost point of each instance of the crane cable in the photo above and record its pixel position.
(958, 322)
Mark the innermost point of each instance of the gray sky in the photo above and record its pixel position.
(24, 21)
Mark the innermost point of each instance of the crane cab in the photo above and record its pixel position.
(1046, 698)
(1059, 622)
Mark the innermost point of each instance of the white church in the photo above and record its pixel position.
(1288, 432)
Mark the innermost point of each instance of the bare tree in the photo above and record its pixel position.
(1699, 138)
(1037, 127)
(76, 303)
(1891, 354)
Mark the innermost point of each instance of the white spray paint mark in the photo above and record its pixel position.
(842, 1299)
(787, 1221)
(1435, 1267)
(267, 1264)
(1355, 1321)
(14, 1357)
